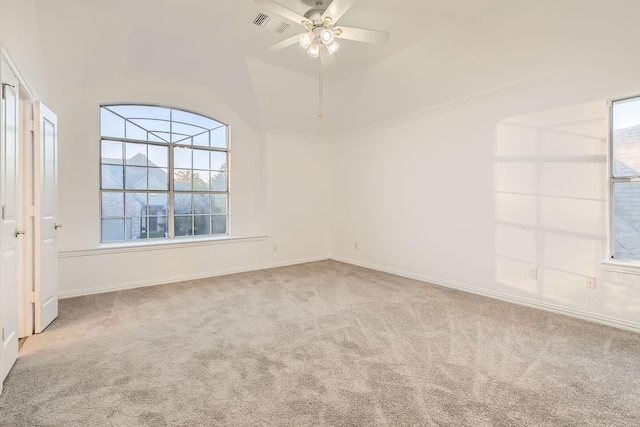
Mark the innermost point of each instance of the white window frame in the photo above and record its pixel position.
(611, 263)
(171, 238)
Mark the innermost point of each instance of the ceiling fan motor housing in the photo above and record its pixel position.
(315, 16)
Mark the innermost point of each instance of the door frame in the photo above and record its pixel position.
(8, 73)
(26, 324)
(26, 267)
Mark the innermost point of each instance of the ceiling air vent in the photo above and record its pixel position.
(260, 20)
(272, 24)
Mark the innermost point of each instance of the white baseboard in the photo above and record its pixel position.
(579, 314)
(182, 278)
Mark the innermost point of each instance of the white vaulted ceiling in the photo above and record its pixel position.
(439, 51)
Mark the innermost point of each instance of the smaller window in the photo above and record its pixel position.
(625, 179)
(163, 173)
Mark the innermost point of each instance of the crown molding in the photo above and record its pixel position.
(466, 101)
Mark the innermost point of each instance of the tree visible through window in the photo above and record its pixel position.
(625, 178)
(163, 173)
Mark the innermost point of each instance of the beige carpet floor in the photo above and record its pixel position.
(319, 344)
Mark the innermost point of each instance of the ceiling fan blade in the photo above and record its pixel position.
(337, 8)
(278, 9)
(363, 35)
(281, 45)
(326, 58)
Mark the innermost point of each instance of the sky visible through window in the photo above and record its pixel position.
(163, 125)
(626, 113)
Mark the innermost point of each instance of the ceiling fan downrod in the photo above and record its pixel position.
(320, 95)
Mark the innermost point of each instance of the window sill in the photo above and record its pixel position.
(626, 267)
(136, 246)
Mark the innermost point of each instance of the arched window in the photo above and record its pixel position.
(164, 173)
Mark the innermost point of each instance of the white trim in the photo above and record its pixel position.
(107, 248)
(183, 278)
(609, 214)
(476, 98)
(622, 267)
(14, 69)
(579, 314)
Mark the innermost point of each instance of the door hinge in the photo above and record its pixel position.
(2, 211)
(30, 211)
(2, 335)
(34, 297)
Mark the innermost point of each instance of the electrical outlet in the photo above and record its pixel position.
(355, 245)
(532, 273)
(591, 282)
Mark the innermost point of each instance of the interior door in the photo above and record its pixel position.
(10, 218)
(46, 227)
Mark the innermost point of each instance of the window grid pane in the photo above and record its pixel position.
(626, 220)
(137, 166)
(625, 137)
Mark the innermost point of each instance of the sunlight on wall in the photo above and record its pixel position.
(550, 201)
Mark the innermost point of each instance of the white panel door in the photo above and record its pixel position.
(46, 227)
(10, 218)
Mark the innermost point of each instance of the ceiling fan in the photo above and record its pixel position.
(321, 28)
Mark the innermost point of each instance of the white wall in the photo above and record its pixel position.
(473, 195)
(20, 35)
(298, 196)
(288, 173)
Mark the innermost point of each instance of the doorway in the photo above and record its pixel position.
(11, 217)
(28, 222)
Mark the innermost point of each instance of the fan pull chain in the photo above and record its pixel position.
(321, 96)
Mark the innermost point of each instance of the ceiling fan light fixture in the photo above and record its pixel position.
(333, 47)
(306, 39)
(314, 50)
(326, 36)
